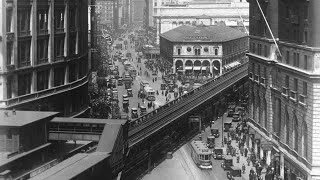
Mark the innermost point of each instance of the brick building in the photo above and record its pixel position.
(285, 85)
(44, 56)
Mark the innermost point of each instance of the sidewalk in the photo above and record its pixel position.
(243, 160)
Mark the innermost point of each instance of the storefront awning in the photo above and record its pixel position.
(188, 68)
(227, 66)
(197, 68)
(215, 68)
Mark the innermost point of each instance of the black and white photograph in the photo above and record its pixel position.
(160, 89)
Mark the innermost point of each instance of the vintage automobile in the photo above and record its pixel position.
(234, 173)
(227, 163)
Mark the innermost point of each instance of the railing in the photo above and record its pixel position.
(59, 58)
(10, 36)
(24, 33)
(59, 30)
(24, 64)
(42, 61)
(285, 91)
(302, 99)
(43, 31)
(43, 93)
(154, 120)
(293, 95)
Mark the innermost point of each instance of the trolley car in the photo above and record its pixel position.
(201, 154)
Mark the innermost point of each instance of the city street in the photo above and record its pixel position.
(181, 166)
(133, 101)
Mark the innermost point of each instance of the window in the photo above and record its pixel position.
(179, 51)
(216, 52)
(42, 50)
(72, 44)
(306, 62)
(42, 80)
(9, 134)
(9, 53)
(288, 57)
(304, 140)
(189, 49)
(24, 84)
(24, 53)
(295, 84)
(296, 59)
(206, 49)
(59, 18)
(295, 133)
(265, 72)
(58, 76)
(72, 17)
(42, 19)
(197, 51)
(59, 47)
(305, 88)
(305, 36)
(266, 51)
(287, 81)
(24, 20)
(306, 12)
(287, 128)
(253, 47)
(9, 19)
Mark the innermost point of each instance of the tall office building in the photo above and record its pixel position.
(105, 12)
(44, 55)
(285, 86)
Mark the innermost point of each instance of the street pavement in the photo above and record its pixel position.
(183, 163)
(133, 101)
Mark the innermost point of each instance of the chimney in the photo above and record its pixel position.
(13, 112)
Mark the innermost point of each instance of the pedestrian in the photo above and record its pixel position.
(243, 168)
(245, 152)
(138, 105)
(248, 161)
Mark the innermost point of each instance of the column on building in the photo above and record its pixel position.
(51, 78)
(268, 158)
(66, 74)
(66, 27)
(33, 30)
(51, 33)
(282, 165)
(34, 81)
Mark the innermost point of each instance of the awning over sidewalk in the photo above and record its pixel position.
(188, 68)
(197, 68)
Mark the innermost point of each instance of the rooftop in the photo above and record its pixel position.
(210, 1)
(202, 33)
(21, 118)
(109, 136)
(86, 120)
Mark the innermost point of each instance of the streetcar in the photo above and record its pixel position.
(201, 154)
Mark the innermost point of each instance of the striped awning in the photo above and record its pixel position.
(188, 68)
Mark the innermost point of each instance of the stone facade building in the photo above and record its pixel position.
(285, 86)
(168, 15)
(44, 56)
(203, 49)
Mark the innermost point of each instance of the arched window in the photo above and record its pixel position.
(287, 128)
(257, 116)
(295, 133)
(265, 114)
(304, 140)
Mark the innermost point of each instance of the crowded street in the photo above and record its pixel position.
(143, 74)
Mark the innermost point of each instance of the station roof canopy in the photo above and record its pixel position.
(22, 118)
(203, 33)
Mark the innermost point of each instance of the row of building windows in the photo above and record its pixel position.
(42, 79)
(284, 130)
(197, 50)
(290, 89)
(24, 16)
(24, 48)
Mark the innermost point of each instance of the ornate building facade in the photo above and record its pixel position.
(168, 15)
(44, 55)
(203, 49)
(284, 86)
